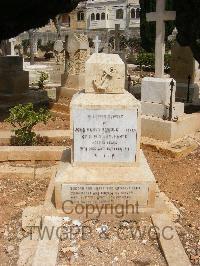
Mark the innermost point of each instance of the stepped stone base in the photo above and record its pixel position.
(160, 129)
(105, 186)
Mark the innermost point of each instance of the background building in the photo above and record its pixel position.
(104, 14)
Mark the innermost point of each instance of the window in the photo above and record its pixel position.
(97, 16)
(119, 14)
(65, 19)
(103, 16)
(138, 13)
(133, 13)
(80, 16)
(92, 16)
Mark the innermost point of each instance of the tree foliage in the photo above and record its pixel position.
(187, 23)
(148, 29)
(23, 118)
(17, 16)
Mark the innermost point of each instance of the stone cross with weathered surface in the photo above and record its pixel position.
(12, 46)
(160, 16)
(117, 37)
(97, 42)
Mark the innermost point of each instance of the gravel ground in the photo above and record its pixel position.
(178, 178)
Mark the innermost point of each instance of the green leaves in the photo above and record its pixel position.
(23, 118)
(43, 79)
(146, 61)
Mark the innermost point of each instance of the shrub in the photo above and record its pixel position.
(146, 61)
(23, 118)
(43, 79)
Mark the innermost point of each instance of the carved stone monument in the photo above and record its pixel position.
(156, 95)
(78, 51)
(107, 166)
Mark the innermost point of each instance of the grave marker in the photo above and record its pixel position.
(107, 165)
(160, 16)
(157, 99)
(77, 52)
(12, 46)
(97, 42)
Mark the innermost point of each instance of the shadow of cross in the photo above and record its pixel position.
(160, 16)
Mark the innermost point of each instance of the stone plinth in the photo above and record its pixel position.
(108, 74)
(157, 90)
(106, 129)
(159, 129)
(13, 80)
(162, 111)
(156, 97)
(102, 186)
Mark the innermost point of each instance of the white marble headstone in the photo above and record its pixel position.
(105, 136)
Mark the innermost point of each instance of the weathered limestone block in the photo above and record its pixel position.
(157, 90)
(78, 50)
(105, 74)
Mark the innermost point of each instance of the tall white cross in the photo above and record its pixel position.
(12, 46)
(97, 43)
(160, 16)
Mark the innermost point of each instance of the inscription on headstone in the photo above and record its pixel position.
(105, 136)
(105, 194)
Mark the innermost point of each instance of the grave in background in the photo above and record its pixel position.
(185, 70)
(14, 84)
(107, 166)
(163, 118)
(13, 79)
(77, 52)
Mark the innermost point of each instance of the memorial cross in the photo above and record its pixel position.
(160, 16)
(12, 46)
(97, 43)
(117, 37)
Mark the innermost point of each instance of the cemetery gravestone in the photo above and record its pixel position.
(183, 66)
(78, 51)
(107, 165)
(119, 52)
(13, 79)
(58, 49)
(156, 92)
(11, 47)
(160, 16)
(96, 44)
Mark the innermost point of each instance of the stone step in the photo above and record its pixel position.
(59, 107)
(60, 115)
(31, 153)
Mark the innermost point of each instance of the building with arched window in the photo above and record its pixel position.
(98, 16)
(80, 15)
(119, 13)
(104, 14)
